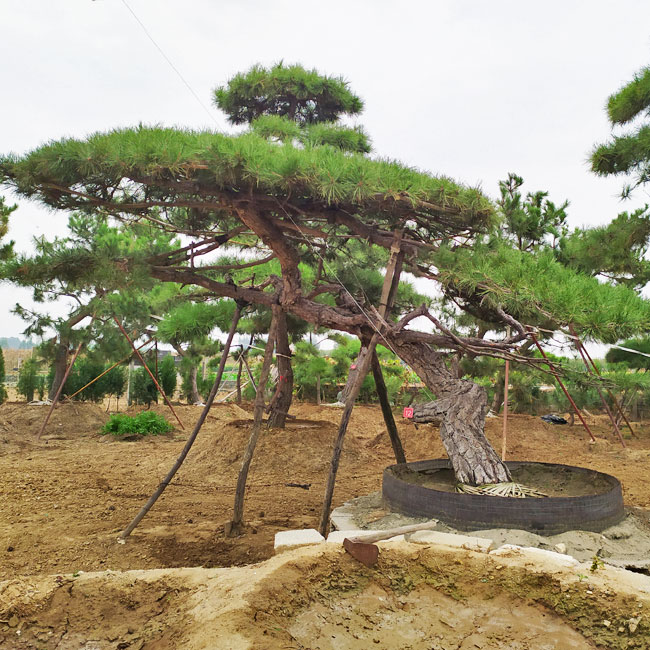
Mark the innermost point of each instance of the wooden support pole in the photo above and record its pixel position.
(343, 426)
(248, 371)
(156, 352)
(90, 383)
(389, 289)
(505, 410)
(612, 419)
(59, 391)
(195, 432)
(597, 371)
(234, 527)
(562, 386)
(146, 367)
(387, 412)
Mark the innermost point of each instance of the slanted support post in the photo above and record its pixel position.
(582, 350)
(146, 367)
(389, 289)
(387, 412)
(197, 427)
(59, 391)
(597, 371)
(562, 386)
(234, 527)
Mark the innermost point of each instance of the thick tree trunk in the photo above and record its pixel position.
(281, 400)
(60, 365)
(461, 408)
(195, 397)
(499, 393)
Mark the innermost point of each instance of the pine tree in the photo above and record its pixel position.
(627, 154)
(301, 204)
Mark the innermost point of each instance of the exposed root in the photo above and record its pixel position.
(515, 490)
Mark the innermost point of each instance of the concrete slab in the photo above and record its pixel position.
(288, 539)
(449, 539)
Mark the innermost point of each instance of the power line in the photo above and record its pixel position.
(173, 67)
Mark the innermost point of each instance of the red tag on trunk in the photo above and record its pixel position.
(408, 412)
(353, 366)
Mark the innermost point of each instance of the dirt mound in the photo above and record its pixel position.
(21, 422)
(416, 597)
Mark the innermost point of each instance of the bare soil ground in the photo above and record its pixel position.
(64, 499)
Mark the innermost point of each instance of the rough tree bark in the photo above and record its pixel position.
(461, 408)
(60, 365)
(281, 401)
(497, 400)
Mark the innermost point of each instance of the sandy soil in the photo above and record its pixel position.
(66, 497)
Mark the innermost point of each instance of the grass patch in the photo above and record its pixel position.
(146, 423)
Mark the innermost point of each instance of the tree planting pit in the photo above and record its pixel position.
(578, 498)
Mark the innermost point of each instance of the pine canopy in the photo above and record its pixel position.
(298, 185)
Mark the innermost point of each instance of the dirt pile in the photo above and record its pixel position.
(319, 598)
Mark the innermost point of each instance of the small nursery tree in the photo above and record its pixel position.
(167, 375)
(27, 378)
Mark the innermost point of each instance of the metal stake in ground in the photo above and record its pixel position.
(197, 427)
(59, 391)
(146, 367)
(233, 527)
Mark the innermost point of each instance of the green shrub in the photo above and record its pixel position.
(27, 379)
(143, 424)
(167, 376)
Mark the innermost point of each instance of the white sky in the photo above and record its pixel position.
(465, 88)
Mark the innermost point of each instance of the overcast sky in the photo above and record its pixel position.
(469, 89)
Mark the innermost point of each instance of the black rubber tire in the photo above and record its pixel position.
(548, 516)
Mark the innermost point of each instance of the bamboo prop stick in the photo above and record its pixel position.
(612, 419)
(248, 370)
(233, 527)
(107, 371)
(618, 406)
(232, 392)
(59, 390)
(195, 432)
(146, 367)
(562, 386)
